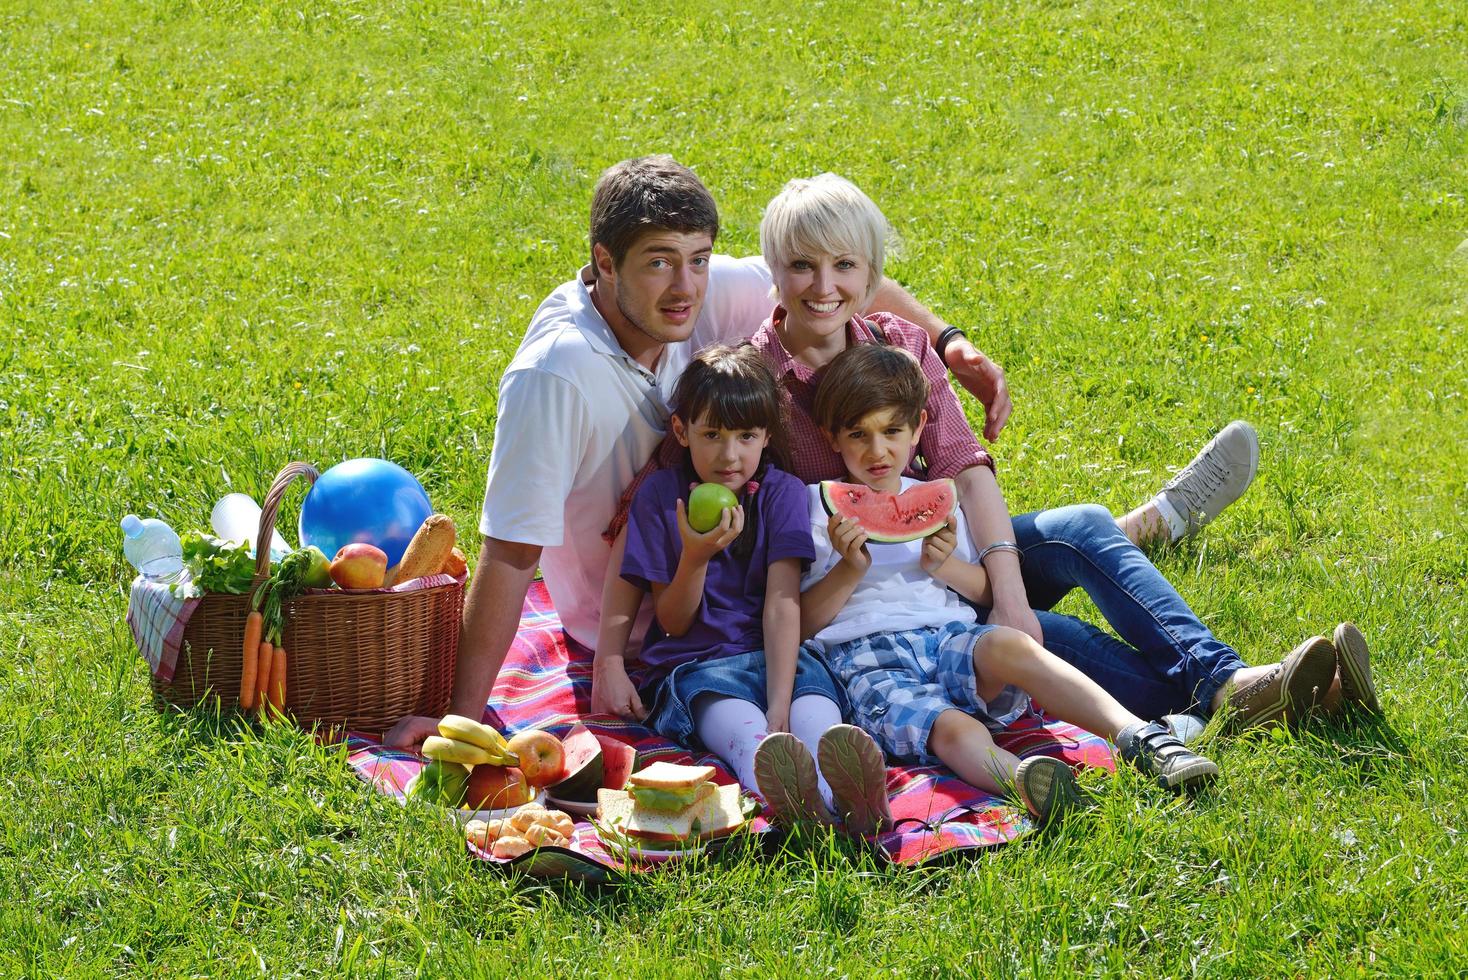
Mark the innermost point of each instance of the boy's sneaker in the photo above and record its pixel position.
(857, 774)
(1289, 691)
(1353, 660)
(1048, 789)
(1158, 753)
(786, 774)
(1216, 477)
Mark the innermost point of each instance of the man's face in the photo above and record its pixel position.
(660, 285)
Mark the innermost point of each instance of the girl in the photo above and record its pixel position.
(722, 666)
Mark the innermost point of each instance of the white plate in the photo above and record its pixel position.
(464, 815)
(626, 848)
(572, 807)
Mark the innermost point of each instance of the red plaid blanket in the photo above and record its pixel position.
(541, 686)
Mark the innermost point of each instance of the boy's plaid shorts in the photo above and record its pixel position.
(899, 683)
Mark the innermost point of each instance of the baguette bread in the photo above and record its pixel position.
(430, 548)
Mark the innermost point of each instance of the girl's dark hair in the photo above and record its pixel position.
(734, 388)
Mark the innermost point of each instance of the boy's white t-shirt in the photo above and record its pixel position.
(895, 594)
(578, 417)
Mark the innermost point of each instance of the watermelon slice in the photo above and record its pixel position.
(583, 767)
(918, 511)
(618, 761)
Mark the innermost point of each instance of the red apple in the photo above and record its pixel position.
(497, 788)
(359, 566)
(542, 757)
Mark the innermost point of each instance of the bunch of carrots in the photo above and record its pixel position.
(262, 682)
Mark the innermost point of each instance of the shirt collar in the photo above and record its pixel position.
(594, 326)
(857, 332)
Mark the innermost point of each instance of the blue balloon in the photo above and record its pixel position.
(368, 500)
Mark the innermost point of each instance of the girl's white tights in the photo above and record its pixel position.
(732, 729)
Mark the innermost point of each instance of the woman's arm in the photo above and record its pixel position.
(782, 639)
(988, 519)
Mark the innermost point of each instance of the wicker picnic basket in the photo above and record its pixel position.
(358, 661)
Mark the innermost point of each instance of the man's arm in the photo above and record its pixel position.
(973, 369)
(491, 615)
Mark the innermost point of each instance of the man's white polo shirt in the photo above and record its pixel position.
(578, 417)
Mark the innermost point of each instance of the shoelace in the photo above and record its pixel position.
(1199, 481)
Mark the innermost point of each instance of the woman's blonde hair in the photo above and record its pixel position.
(824, 215)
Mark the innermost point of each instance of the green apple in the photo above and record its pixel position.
(706, 505)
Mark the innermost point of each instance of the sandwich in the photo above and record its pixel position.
(667, 804)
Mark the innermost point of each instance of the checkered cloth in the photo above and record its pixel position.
(544, 685)
(158, 618)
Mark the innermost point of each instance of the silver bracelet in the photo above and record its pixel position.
(1000, 546)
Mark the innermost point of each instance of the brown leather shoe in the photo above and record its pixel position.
(1354, 659)
(1288, 692)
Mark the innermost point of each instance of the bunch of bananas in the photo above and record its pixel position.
(468, 743)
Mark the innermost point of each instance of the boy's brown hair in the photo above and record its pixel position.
(646, 193)
(869, 378)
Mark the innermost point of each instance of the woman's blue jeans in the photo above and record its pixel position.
(1166, 660)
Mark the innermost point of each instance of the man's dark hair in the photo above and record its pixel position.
(868, 378)
(648, 192)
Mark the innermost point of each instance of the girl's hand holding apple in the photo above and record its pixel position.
(701, 547)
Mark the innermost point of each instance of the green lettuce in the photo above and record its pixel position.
(214, 565)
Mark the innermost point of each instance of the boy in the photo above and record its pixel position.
(924, 677)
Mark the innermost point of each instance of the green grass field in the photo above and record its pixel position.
(234, 234)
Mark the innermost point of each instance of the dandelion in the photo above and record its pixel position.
(1251, 389)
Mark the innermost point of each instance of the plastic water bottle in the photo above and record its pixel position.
(152, 547)
(236, 517)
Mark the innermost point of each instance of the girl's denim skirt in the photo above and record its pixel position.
(741, 675)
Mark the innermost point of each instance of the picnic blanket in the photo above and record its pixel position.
(543, 685)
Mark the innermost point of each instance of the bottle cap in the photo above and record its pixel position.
(131, 526)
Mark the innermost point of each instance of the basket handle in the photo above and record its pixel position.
(268, 511)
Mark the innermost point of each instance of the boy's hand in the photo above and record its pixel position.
(849, 540)
(939, 546)
(701, 547)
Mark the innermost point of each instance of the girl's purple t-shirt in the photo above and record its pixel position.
(730, 618)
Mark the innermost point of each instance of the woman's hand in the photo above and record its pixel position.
(613, 693)
(1022, 618)
(849, 540)
(939, 546)
(701, 547)
(984, 379)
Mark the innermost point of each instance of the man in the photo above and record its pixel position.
(583, 404)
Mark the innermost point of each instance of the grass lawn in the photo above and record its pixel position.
(236, 233)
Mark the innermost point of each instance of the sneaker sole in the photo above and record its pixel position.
(1354, 658)
(857, 774)
(786, 775)
(1047, 788)
(1308, 671)
(1187, 779)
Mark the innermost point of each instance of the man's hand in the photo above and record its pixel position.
(1022, 618)
(938, 546)
(701, 547)
(613, 693)
(850, 542)
(985, 379)
(410, 732)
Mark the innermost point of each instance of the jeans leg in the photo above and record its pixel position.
(1081, 546)
(1119, 669)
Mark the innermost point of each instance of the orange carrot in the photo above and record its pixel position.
(253, 624)
(277, 682)
(262, 675)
